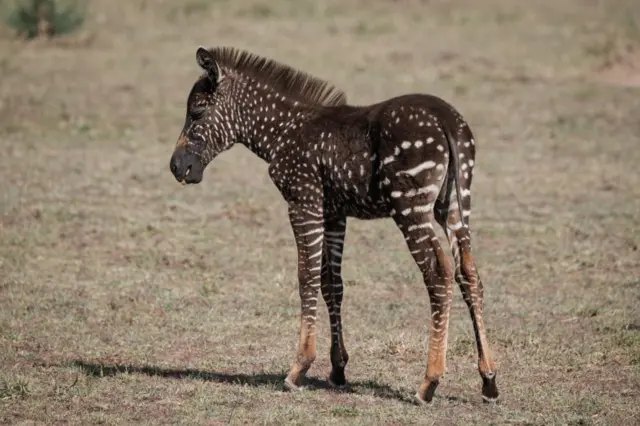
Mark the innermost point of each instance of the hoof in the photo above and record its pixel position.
(489, 390)
(334, 385)
(290, 386)
(488, 400)
(337, 379)
(426, 392)
(417, 399)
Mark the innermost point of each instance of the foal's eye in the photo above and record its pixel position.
(196, 113)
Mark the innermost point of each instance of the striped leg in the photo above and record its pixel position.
(332, 291)
(308, 230)
(437, 272)
(470, 284)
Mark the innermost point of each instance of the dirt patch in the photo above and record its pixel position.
(624, 70)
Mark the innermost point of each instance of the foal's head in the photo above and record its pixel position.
(208, 128)
(235, 86)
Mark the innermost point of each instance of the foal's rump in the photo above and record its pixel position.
(419, 147)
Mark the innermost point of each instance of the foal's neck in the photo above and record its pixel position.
(268, 118)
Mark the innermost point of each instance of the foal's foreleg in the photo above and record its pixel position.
(332, 291)
(308, 230)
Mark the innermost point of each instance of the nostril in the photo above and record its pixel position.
(174, 167)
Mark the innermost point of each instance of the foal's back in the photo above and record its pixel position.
(371, 154)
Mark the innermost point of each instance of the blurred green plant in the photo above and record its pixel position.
(12, 389)
(44, 18)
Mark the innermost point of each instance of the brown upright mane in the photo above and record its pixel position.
(288, 81)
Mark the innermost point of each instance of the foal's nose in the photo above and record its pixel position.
(179, 163)
(173, 165)
(186, 167)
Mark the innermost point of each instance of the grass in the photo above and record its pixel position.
(17, 388)
(126, 298)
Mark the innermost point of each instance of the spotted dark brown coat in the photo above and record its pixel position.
(410, 158)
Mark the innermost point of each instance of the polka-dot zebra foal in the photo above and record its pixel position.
(410, 158)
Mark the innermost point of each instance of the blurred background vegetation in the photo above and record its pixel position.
(43, 18)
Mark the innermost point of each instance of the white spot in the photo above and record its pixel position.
(423, 209)
(455, 226)
(418, 144)
(405, 144)
(428, 189)
(420, 226)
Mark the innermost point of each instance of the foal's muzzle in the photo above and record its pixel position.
(186, 166)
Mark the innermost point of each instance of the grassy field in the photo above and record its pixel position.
(126, 298)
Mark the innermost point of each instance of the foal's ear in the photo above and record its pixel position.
(208, 63)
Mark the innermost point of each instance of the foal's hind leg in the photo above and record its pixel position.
(466, 273)
(437, 272)
(332, 291)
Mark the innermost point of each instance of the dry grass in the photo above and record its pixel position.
(128, 299)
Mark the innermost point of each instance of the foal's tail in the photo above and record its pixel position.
(454, 161)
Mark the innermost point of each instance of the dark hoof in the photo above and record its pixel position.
(489, 390)
(426, 392)
(337, 379)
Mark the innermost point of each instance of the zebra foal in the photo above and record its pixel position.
(409, 158)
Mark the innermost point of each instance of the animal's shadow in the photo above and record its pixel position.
(273, 380)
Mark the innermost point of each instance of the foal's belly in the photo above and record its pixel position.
(367, 212)
(357, 207)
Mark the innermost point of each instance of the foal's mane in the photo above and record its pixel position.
(288, 81)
